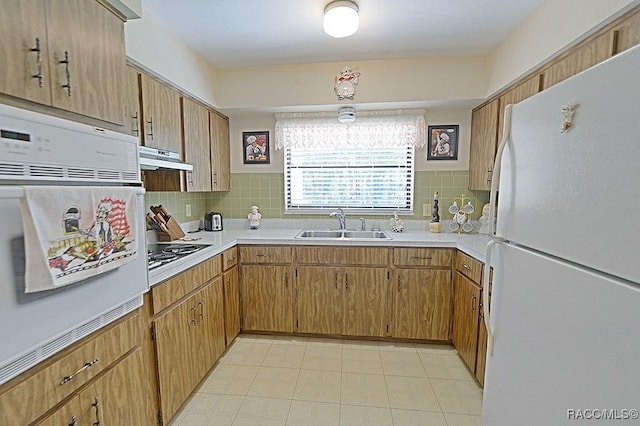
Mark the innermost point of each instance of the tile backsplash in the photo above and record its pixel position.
(266, 190)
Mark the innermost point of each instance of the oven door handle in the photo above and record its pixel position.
(16, 192)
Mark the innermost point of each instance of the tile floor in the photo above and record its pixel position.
(269, 380)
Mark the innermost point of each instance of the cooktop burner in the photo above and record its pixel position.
(159, 254)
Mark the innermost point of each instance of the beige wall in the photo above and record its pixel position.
(552, 27)
(151, 44)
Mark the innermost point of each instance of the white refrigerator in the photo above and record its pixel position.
(564, 321)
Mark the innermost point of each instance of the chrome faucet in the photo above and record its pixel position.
(342, 220)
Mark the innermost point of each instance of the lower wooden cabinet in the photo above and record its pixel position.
(267, 298)
(231, 304)
(342, 300)
(189, 339)
(422, 304)
(466, 296)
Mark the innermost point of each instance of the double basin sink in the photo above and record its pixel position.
(343, 234)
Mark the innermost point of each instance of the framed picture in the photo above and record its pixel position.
(256, 147)
(443, 142)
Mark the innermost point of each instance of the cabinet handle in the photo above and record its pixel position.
(336, 280)
(78, 371)
(96, 405)
(473, 303)
(399, 282)
(38, 51)
(346, 281)
(286, 281)
(67, 72)
(193, 315)
(190, 179)
(422, 257)
(215, 178)
(135, 129)
(201, 304)
(150, 123)
(465, 266)
(489, 174)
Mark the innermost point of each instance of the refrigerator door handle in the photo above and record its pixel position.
(495, 179)
(485, 294)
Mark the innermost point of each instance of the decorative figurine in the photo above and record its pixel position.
(484, 220)
(396, 223)
(567, 112)
(345, 84)
(254, 218)
(435, 225)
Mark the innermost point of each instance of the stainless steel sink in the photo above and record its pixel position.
(343, 234)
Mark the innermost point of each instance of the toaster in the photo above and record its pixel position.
(213, 221)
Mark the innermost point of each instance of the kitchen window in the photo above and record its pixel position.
(365, 167)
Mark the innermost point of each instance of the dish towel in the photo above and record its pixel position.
(73, 233)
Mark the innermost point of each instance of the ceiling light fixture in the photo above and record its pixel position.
(341, 18)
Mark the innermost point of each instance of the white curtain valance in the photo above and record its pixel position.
(371, 129)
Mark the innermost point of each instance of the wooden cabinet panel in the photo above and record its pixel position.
(319, 299)
(231, 304)
(469, 267)
(586, 56)
(93, 39)
(522, 91)
(44, 388)
(484, 136)
(65, 415)
(422, 304)
(195, 133)
(465, 318)
(22, 22)
(161, 115)
(229, 258)
(266, 254)
(267, 298)
(175, 288)
(366, 298)
(132, 102)
(210, 344)
(220, 152)
(342, 256)
(423, 257)
(628, 33)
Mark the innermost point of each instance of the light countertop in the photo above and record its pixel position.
(471, 244)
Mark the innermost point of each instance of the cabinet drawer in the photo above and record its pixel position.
(422, 257)
(229, 258)
(342, 256)
(68, 371)
(469, 266)
(176, 288)
(265, 254)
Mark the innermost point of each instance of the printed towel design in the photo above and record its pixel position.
(73, 233)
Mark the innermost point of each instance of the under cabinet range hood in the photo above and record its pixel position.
(161, 159)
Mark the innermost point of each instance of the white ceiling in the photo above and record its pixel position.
(233, 33)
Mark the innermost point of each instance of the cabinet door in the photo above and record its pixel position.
(118, 397)
(89, 78)
(23, 29)
(67, 415)
(484, 135)
(175, 331)
(465, 319)
(522, 91)
(208, 344)
(584, 57)
(197, 151)
(365, 301)
(422, 304)
(231, 304)
(161, 115)
(220, 153)
(267, 298)
(132, 102)
(319, 299)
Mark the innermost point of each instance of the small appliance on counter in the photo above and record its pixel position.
(213, 221)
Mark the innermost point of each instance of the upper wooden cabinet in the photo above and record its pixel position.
(197, 148)
(484, 136)
(132, 102)
(522, 91)
(220, 152)
(68, 54)
(585, 56)
(160, 127)
(628, 32)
